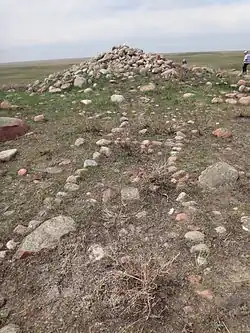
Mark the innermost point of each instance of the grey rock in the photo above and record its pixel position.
(103, 142)
(195, 236)
(219, 174)
(90, 163)
(105, 151)
(200, 248)
(47, 235)
(11, 328)
(7, 155)
(130, 194)
(245, 220)
(117, 98)
(96, 252)
(71, 187)
(148, 87)
(79, 142)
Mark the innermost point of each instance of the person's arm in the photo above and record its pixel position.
(245, 58)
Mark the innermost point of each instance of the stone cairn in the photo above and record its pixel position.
(121, 62)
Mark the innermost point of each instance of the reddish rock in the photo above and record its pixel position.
(222, 133)
(22, 172)
(11, 128)
(5, 105)
(207, 293)
(241, 83)
(39, 118)
(181, 217)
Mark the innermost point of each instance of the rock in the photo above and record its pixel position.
(231, 101)
(88, 90)
(86, 101)
(218, 174)
(79, 82)
(11, 328)
(241, 83)
(103, 142)
(105, 151)
(181, 196)
(46, 236)
(72, 179)
(188, 95)
(11, 244)
(79, 142)
(222, 133)
(96, 155)
(20, 229)
(195, 236)
(71, 187)
(52, 170)
(221, 230)
(11, 128)
(90, 163)
(54, 90)
(130, 194)
(244, 101)
(200, 248)
(217, 100)
(96, 252)
(207, 293)
(6, 155)
(22, 172)
(5, 105)
(181, 217)
(245, 220)
(148, 87)
(34, 224)
(39, 118)
(242, 88)
(117, 98)
(2, 254)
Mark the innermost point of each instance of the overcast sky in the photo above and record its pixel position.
(47, 29)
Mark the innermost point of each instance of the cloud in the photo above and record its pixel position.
(50, 22)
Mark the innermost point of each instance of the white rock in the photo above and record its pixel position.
(103, 142)
(245, 220)
(105, 151)
(195, 236)
(117, 98)
(148, 87)
(188, 95)
(88, 90)
(181, 196)
(79, 142)
(71, 187)
(72, 179)
(6, 155)
(86, 101)
(130, 194)
(54, 90)
(96, 155)
(2, 256)
(220, 230)
(96, 252)
(90, 163)
(11, 244)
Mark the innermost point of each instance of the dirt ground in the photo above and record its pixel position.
(147, 281)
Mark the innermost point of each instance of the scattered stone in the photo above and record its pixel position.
(88, 90)
(79, 82)
(65, 162)
(117, 130)
(103, 142)
(5, 105)
(181, 196)
(244, 101)
(96, 252)
(171, 212)
(90, 163)
(53, 170)
(105, 151)
(11, 244)
(220, 230)
(200, 248)
(148, 87)
(222, 133)
(218, 174)
(54, 90)
(7, 155)
(79, 142)
(245, 220)
(96, 155)
(171, 160)
(195, 236)
(217, 100)
(130, 194)
(11, 328)
(143, 131)
(117, 98)
(71, 187)
(22, 172)
(86, 101)
(124, 124)
(231, 101)
(39, 118)
(20, 229)
(3, 254)
(72, 179)
(181, 217)
(172, 169)
(188, 95)
(34, 224)
(141, 215)
(80, 172)
(207, 293)
(46, 236)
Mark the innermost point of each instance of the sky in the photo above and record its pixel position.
(56, 29)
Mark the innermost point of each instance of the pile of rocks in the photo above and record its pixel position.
(121, 62)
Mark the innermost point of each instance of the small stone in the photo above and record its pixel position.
(79, 81)
(71, 187)
(39, 118)
(90, 163)
(117, 98)
(3, 254)
(245, 100)
(20, 229)
(141, 215)
(181, 217)
(88, 90)
(124, 124)
(171, 211)
(8, 213)
(172, 169)
(221, 230)
(245, 220)
(96, 156)
(231, 101)
(130, 194)
(181, 196)
(145, 143)
(79, 142)
(143, 131)
(203, 248)
(54, 90)
(7, 155)
(11, 244)
(188, 95)
(103, 142)
(72, 179)
(22, 172)
(53, 170)
(117, 130)
(222, 133)
(96, 252)
(34, 224)
(11, 328)
(217, 100)
(105, 151)
(86, 101)
(148, 87)
(65, 162)
(195, 236)
(207, 293)
(171, 160)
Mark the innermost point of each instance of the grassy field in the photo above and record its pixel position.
(23, 73)
(149, 277)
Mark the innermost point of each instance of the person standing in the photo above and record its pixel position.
(246, 62)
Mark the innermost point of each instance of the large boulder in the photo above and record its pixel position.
(10, 128)
(218, 174)
(46, 236)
